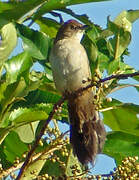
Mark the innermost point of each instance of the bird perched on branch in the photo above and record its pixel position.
(71, 72)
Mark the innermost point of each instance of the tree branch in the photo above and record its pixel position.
(37, 156)
(30, 154)
(117, 76)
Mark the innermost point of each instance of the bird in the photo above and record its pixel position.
(71, 72)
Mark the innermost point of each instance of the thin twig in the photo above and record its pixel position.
(35, 157)
(29, 156)
(116, 46)
(31, 12)
(117, 76)
(57, 15)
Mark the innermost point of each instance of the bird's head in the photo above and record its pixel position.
(71, 29)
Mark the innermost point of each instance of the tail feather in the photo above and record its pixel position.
(87, 132)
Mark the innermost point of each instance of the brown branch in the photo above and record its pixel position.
(57, 15)
(37, 156)
(117, 76)
(57, 105)
(30, 154)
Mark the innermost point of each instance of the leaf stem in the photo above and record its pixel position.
(116, 46)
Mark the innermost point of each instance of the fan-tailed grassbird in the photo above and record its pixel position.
(71, 72)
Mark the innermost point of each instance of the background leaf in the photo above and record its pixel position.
(13, 148)
(48, 26)
(123, 118)
(18, 67)
(120, 145)
(37, 44)
(8, 41)
(9, 11)
(27, 132)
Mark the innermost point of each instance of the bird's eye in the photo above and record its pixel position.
(72, 27)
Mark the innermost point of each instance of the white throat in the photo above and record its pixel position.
(79, 35)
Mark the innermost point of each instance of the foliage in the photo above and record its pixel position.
(27, 96)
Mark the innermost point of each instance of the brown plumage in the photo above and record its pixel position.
(87, 132)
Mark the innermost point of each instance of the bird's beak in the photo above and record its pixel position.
(84, 27)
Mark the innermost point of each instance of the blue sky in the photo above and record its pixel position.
(98, 13)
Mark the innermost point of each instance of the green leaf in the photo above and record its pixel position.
(15, 10)
(27, 132)
(10, 94)
(13, 147)
(126, 18)
(26, 115)
(36, 43)
(48, 26)
(132, 15)
(103, 61)
(23, 116)
(40, 96)
(122, 117)
(83, 18)
(120, 145)
(91, 49)
(18, 67)
(123, 20)
(53, 169)
(118, 65)
(120, 41)
(102, 47)
(54, 5)
(72, 161)
(8, 42)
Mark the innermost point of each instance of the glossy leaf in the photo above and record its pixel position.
(40, 96)
(122, 117)
(10, 94)
(83, 17)
(18, 67)
(15, 10)
(91, 49)
(54, 5)
(120, 41)
(13, 147)
(8, 41)
(25, 115)
(48, 26)
(37, 44)
(126, 18)
(120, 145)
(118, 65)
(22, 116)
(27, 132)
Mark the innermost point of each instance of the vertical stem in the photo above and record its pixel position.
(117, 45)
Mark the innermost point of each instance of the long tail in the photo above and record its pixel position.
(87, 132)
